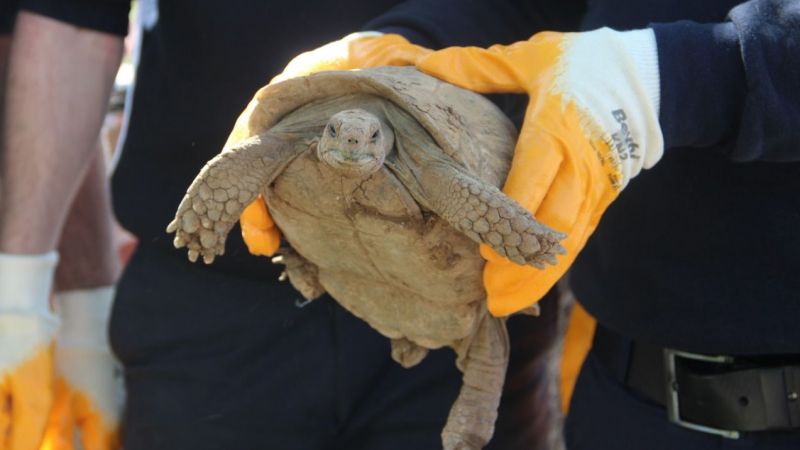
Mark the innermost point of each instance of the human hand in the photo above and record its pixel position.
(591, 125)
(89, 391)
(355, 51)
(27, 329)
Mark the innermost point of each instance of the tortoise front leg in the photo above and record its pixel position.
(477, 209)
(221, 191)
(486, 215)
(480, 211)
(483, 358)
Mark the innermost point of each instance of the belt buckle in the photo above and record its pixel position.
(671, 386)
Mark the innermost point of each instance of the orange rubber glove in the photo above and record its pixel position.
(27, 329)
(356, 51)
(89, 392)
(591, 125)
(258, 230)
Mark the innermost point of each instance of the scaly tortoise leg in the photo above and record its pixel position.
(486, 215)
(483, 358)
(223, 188)
(407, 353)
(303, 274)
(480, 211)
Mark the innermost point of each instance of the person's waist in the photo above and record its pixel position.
(719, 394)
(705, 315)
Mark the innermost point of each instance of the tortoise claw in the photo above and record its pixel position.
(533, 310)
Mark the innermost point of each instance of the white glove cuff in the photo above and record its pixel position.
(359, 35)
(84, 317)
(615, 76)
(26, 282)
(82, 352)
(641, 46)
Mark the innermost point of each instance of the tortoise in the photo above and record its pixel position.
(383, 182)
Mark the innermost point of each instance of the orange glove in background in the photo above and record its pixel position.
(89, 391)
(355, 51)
(27, 329)
(591, 125)
(577, 343)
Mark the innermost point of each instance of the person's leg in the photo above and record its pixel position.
(394, 408)
(214, 361)
(530, 410)
(218, 362)
(383, 406)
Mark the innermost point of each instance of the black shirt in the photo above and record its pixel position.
(202, 61)
(699, 253)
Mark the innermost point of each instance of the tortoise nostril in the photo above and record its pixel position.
(352, 141)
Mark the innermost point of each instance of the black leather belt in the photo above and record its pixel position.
(723, 395)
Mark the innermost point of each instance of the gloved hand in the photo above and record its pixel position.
(27, 328)
(355, 51)
(591, 125)
(89, 392)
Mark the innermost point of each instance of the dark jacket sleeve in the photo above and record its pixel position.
(107, 16)
(738, 80)
(445, 23)
(8, 11)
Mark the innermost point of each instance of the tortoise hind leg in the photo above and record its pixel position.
(302, 273)
(407, 353)
(483, 358)
(221, 191)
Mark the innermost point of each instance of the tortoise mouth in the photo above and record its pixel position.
(351, 165)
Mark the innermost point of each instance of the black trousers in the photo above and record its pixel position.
(218, 362)
(605, 415)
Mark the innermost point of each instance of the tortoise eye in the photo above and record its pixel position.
(376, 134)
(331, 131)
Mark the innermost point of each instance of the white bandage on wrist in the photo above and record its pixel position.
(84, 317)
(614, 76)
(26, 282)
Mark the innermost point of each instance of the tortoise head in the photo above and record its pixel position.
(355, 143)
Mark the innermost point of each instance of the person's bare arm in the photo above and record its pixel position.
(88, 257)
(59, 80)
(5, 44)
